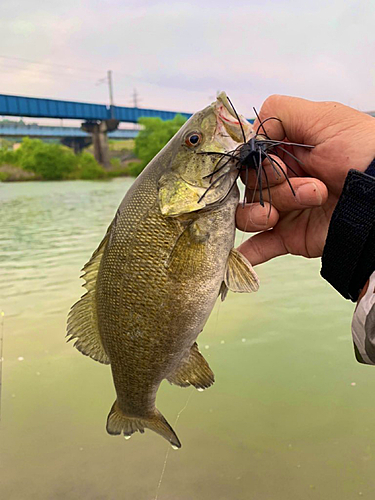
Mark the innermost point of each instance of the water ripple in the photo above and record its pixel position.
(50, 230)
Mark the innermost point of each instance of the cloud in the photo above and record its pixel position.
(179, 54)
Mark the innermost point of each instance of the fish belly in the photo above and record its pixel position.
(154, 298)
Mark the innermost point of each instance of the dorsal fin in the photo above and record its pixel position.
(82, 319)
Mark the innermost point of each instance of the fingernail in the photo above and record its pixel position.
(258, 215)
(309, 194)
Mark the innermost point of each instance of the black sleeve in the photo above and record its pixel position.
(348, 257)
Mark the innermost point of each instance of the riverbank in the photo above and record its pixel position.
(12, 173)
(34, 160)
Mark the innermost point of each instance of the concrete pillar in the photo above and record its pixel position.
(99, 130)
(77, 143)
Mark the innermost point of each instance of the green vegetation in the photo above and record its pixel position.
(50, 161)
(47, 161)
(121, 146)
(152, 138)
(38, 160)
(119, 167)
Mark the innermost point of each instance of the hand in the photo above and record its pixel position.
(343, 138)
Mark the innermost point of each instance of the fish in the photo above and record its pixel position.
(164, 260)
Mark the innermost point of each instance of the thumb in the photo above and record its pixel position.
(294, 117)
(262, 247)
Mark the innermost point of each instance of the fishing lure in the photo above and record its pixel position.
(250, 156)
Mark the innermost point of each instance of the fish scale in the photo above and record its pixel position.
(155, 277)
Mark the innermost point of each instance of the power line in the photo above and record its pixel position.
(82, 69)
(120, 77)
(50, 64)
(16, 69)
(14, 65)
(119, 74)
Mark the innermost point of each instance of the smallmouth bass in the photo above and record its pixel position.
(154, 279)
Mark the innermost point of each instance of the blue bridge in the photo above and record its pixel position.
(11, 105)
(99, 121)
(16, 130)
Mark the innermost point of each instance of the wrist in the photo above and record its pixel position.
(349, 252)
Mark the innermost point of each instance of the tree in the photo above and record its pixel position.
(51, 161)
(154, 136)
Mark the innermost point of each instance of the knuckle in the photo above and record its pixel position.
(331, 104)
(271, 101)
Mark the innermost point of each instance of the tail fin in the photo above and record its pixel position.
(118, 423)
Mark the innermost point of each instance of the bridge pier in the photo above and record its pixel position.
(77, 143)
(98, 130)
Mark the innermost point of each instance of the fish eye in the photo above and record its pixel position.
(193, 139)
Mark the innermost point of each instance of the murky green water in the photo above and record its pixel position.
(291, 415)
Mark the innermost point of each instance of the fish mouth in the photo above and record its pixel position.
(234, 124)
(222, 98)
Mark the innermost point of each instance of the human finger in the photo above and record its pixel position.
(253, 217)
(262, 247)
(296, 194)
(272, 173)
(290, 117)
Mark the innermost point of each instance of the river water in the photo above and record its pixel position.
(291, 415)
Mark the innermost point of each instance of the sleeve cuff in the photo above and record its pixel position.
(349, 254)
(363, 326)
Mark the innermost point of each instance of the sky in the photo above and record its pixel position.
(178, 54)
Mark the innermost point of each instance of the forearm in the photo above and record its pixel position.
(349, 252)
(348, 260)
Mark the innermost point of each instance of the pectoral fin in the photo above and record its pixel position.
(188, 252)
(193, 371)
(240, 275)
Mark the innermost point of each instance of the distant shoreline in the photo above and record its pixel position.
(12, 173)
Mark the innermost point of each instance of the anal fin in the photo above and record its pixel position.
(194, 370)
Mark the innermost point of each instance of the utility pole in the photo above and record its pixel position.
(110, 86)
(135, 99)
(99, 128)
